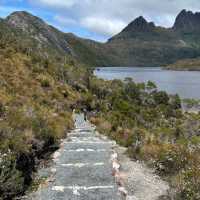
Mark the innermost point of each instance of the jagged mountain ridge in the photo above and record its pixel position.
(140, 28)
(139, 25)
(187, 21)
(141, 43)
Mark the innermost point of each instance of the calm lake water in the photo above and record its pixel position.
(184, 83)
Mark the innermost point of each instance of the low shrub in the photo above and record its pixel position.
(154, 128)
(11, 179)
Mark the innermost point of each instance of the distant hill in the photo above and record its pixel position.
(144, 44)
(141, 43)
(44, 36)
(186, 64)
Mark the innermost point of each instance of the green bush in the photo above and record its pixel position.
(154, 128)
(161, 97)
(172, 160)
(188, 184)
(11, 179)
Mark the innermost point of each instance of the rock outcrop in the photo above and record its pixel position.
(187, 21)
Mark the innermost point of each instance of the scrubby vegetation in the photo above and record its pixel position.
(153, 127)
(39, 88)
(140, 44)
(36, 96)
(186, 64)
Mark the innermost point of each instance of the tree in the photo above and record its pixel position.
(132, 91)
(151, 86)
(176, 102)
(161, 97)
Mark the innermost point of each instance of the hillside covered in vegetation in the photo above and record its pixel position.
(186, 64)
(151, 124)
(39, 87)
(36, 100)
(141, 43)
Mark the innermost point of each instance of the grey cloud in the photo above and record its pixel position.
(109, 17)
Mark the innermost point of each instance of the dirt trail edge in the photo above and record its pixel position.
(88, 166)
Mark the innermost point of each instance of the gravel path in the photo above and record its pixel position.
(88, 166)
(140, 181)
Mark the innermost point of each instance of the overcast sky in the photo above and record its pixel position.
(99, 19)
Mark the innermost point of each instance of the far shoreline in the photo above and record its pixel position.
(187, 69)
(182, 82)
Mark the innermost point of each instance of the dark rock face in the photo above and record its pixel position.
(137, 28)
(187, 21)
(140, 25)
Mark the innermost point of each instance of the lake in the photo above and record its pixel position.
(184, 83)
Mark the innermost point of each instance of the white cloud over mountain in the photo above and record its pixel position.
(102, 25)
(109, 17)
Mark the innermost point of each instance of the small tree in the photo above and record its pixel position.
(161, 97)
(176, 102)
(151, 86)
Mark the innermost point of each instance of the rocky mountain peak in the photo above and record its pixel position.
(137, 28)
(24, 21)
(20, 13)
(140, 24)
(140, 20)
(187, 21)
(36, 28)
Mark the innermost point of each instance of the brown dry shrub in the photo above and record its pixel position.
(105, 126)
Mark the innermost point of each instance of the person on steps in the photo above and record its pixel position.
(85, 114)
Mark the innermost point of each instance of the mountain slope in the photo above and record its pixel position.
(186, 64)
(40, 84)
(141, 29)
(141, 43)
(89, 52)
(46, 38)
(36, 95)
(187, 21)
